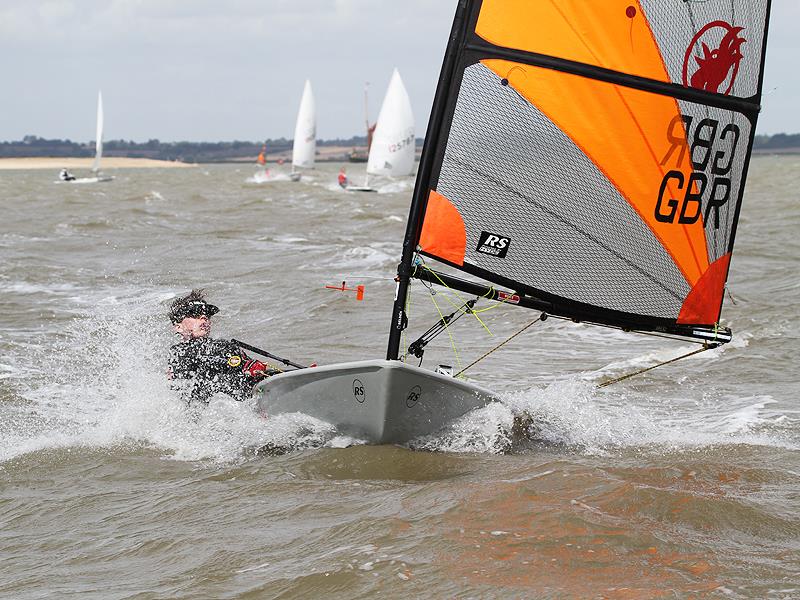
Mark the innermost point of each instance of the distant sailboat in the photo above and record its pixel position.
(356, 156)
(393, 145)
(305, 134)
(98, 152)
(263, 175)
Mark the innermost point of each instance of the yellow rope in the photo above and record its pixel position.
(473, 312)
(447, 329)
(460, 307)
(624, 377)
(529, 325)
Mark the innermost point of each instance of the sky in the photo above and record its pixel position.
(214, 70)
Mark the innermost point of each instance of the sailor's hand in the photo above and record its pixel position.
(259, 370)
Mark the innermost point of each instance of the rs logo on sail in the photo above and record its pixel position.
(710, 144)
(493, 244)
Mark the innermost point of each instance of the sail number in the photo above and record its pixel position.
(404, 143)
(704, 150)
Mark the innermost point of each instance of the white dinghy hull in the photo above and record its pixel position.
(380, 401)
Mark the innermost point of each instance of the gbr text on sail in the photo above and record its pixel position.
(712, 148)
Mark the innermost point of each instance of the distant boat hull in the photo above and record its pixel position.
(360, 188)
(379, 401)
(101, 179)
(358, 157)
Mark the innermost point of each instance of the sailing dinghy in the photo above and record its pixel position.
(305, 135)
(392, 150)
(98, 151)
(586, 159)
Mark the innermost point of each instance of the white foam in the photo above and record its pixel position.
(105, 386)
(574, 415)
(27, 288)
(397, 187)
(268, 177)
(362, 257)
(153, 196)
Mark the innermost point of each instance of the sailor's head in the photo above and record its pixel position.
(191, 315)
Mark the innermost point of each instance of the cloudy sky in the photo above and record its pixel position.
(234, 69)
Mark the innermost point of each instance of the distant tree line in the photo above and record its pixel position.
(33, 146)
(779, 141)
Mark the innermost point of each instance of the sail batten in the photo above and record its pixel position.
(748, 105)
(594, 153)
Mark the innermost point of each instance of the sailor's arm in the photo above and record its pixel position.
(255, 370)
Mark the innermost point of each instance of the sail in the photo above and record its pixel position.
(305, 132)
(98, 144)
(393, 143)
(593, 153)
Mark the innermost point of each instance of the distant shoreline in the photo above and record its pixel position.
(30, 163)
(775, 151)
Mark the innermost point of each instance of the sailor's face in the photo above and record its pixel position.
(194, 327)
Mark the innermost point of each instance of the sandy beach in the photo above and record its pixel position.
(7, 164)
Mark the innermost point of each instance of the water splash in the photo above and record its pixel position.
(103, 385)
(268, 177)
(575, 417)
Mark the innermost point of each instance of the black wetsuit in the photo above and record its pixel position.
(214, 366)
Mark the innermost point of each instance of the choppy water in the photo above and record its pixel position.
(682, 483)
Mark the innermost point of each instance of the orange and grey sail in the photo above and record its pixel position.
(593, 153)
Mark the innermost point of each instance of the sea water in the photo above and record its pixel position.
(683, 482)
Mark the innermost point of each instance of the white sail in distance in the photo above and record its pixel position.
(98, 147)
(393, 145)
(305, 132)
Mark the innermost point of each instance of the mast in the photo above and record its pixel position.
(366, 113)
(418, 202)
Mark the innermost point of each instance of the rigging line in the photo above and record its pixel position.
(541, 317)
(647, 333)
(629, 375)
(460, 308)
(730, 296)
(447, 329)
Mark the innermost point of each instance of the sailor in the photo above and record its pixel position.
(202, 366)
(342, 178)
(66, 175)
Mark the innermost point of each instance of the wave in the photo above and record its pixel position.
(104, 385)
(268, 177)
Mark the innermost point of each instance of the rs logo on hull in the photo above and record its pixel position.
(359, 392)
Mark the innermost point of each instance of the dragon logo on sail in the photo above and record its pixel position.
(718, 66)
